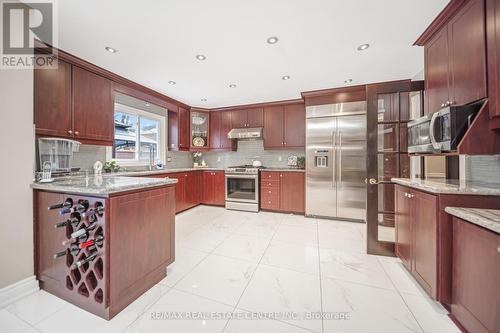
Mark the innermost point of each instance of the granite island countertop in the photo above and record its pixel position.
(450, 186)
(486, 218)
(283, 169)
(100, 186)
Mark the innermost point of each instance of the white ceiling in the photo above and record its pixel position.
(157, 41)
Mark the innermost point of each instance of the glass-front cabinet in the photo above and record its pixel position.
(199, 129)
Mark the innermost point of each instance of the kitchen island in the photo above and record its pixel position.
(102, 241)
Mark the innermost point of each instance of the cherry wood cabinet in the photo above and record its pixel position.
(455, 59)
(475, 276)
(93, 109)
(252, 117)
(493, 42)
(214, 188)
(179, 129)
(403, 226)
(416, 235)
(220, 125)
(52, 101)
(283, 191)
(72, 102)
(284, 126)
(194, 188)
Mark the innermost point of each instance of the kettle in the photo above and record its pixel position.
(256, 164)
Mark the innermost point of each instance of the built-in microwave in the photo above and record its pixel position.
(442, 130)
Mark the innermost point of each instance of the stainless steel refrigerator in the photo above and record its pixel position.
(336, 161)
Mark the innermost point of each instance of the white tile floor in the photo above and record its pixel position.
(248, 265)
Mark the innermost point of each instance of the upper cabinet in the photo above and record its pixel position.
(52, 101)
(199, 129)
(220, 125)
(74, 103)
(178, 129)
(455, 59)
(284, 126)
(92, 106)
(252, 117)
(493, 41)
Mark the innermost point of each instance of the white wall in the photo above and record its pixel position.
(16, 174)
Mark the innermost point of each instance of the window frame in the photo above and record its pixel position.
(162, 135)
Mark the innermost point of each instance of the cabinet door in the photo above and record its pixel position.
(184, 128)
(225, 127)
(194, 188)
(180, 191)
(52, 100)
(467, 43)
(215, 135)
(425, 241)
(93, 111)
(208, 188)
(239, 118)
(295, 126)
(475, 276)
(437, 71)
(173, 130)
(273, 127)
(219, 181)
(255, 117)
(292, 188)
(493, 35)
(403, 226)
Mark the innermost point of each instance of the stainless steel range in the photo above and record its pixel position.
(242, 188)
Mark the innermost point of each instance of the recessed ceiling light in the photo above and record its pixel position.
(203, 99)
(348, 81)
(147, 104)
(286, 77)
(110, 49)
(232, 85)
(201, 57)
(363, 47)
(172, 82)
(272, 40)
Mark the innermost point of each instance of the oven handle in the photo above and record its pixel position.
(242, 176)
(435, 144)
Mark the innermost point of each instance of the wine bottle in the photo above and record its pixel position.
(60, 254)
(99, 210)
(79, 239)
(73, 221)
(68, 203)
(92, 243)
(81, 207)
(84, 261)
(84, 231)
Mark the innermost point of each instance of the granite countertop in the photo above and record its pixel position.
(450, 186)
(285, 169)
(486, 218)
(101, 186)
(158, 172)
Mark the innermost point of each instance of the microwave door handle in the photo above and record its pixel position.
(435, 144)
(469, 120)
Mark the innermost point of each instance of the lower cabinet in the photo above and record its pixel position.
(475, 277)
(214, 192)
(416, 235)
(282, 191)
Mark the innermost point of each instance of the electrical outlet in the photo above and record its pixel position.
(280, 158)
(218, 159)
(169, 159)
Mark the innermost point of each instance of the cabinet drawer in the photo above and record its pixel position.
(270, 202)
(269, 183)
(269, 175)
(270, 191)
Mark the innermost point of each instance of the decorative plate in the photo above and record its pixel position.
(198, 142)
(198, 120)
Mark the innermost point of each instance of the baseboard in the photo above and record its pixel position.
(18, 290)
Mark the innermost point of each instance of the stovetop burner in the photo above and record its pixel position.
(244, 169)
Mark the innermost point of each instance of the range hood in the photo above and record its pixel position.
(253, 133)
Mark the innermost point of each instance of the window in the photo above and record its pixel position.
(138, 135)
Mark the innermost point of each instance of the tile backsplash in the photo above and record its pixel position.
(247, 152)
(483, 168)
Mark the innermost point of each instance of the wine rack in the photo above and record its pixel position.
(85, 285)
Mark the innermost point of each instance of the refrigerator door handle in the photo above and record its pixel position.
(334, 157)
(340, 156)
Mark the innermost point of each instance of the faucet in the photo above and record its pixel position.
(151, 157)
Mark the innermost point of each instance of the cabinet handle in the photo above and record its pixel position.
(70, 132)
(269, 192)
(281, 175)
(76, 132)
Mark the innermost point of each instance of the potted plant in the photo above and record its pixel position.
(196, 158)
(301, 162)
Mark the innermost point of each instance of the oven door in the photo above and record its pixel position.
(242, 188)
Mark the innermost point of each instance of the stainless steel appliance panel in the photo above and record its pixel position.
(351, 167)
(321, 197)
